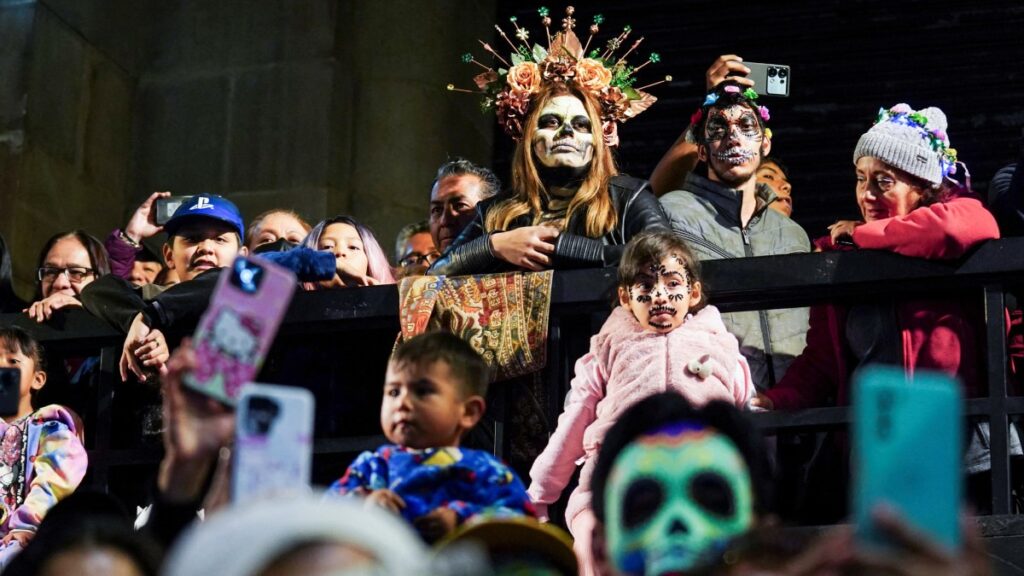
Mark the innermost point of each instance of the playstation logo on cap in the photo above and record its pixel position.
(206, 207)
(203, 203)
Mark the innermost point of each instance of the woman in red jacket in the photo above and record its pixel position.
(912, 207)
(909, 206)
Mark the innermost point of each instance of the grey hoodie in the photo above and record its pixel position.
(707, 215)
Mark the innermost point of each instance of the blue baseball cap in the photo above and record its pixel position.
(209, 206)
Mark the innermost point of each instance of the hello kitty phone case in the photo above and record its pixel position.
(239, 326)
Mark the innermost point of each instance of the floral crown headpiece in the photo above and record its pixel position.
(748, 95)
(510, 89)
(938, 141)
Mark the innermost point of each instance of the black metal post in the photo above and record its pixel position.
(999, 429)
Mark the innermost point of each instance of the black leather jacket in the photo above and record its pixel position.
(635, 204)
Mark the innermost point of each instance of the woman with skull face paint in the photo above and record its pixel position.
(568, 206)
(661, 337)
(674, 484)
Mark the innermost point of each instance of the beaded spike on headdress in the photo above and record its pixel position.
(610, 79)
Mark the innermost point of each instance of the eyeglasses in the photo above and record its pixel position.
(884, 183)
(75, 274)
(415, 258)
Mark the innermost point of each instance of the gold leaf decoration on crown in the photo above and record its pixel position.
(509, 89)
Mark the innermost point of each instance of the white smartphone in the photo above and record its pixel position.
(273, 442)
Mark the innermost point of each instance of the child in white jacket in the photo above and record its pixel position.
(661, 338)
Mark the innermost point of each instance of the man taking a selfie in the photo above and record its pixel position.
(722, 212)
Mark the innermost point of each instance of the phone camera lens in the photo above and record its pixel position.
(772, 72)
(783, 73)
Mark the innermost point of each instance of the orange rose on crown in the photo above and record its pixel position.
(592, 75)
(509, 87)
(524, 77)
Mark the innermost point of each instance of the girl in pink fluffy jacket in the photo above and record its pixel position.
(662, 337)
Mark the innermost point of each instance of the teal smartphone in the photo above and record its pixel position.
(908, 452)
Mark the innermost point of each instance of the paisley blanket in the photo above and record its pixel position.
(503, 316)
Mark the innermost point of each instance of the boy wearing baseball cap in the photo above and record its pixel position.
(203, 234)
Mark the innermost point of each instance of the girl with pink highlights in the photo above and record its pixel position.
(359, 257)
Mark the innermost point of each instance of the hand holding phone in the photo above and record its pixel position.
(239, 326)
(907, 445)
(725, 67)
(196, 427)
(144, 222)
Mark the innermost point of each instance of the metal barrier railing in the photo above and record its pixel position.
(343, 319)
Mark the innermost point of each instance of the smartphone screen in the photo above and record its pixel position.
(907, 451)
(165, 208)
(273, 442)
(239, 326)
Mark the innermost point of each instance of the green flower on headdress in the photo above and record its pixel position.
(750, 94)
(543, 12)
(918, 118)
(467, 58)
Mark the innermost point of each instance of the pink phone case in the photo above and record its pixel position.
(239, 326)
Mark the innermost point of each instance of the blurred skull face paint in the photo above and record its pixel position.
(564, 137)
(675, 499)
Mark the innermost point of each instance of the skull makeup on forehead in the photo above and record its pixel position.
(564, 137)
(674, 499)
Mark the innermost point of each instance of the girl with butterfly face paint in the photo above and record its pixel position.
(661, 336)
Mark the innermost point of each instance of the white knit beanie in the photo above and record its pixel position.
(912, 141)
(244, 539)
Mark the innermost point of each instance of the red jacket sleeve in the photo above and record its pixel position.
(943, 230)
(816, 373)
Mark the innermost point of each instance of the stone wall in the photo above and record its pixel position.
(73, 168)
(323, 106)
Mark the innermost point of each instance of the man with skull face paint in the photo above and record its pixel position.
(726, 215)
(674, 485)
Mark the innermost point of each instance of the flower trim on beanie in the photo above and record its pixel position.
(509, 90)
(938, 140)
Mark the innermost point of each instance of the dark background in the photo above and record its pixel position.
(848, 59)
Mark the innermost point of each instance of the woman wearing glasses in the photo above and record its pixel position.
(68, 262)
(910, 205)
